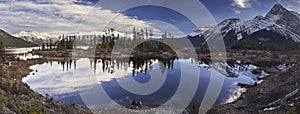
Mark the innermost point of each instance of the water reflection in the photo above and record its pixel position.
(56, 79)
(137, 64)
(27, 56)
(20, 50)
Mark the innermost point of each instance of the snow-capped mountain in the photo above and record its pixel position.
(201, 30)
(35, 37)
(278, 26)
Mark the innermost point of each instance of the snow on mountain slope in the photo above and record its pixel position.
(35, 37)
(278, 24)
(201, 30)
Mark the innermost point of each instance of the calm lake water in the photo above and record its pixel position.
(55, 79)
(20, 50)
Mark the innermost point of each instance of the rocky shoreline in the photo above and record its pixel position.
(277, 92)
(257, 98)
(17, 97)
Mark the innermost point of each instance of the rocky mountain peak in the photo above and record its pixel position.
(277, 9)
(279, 26)
(278, 6)
(290, 20)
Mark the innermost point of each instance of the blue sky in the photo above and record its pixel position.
(68, 16)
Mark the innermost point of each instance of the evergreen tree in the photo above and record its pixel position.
(138, 35)
(151, 33)
(134, 33)
(147, 34)
(166, 35)
(142, 34)
(2, 48)
(104, 44)
(58, 46)
(43, 46)
(111, 44)
(163, 36)
(63, 44)
(47, 45)
(67, 43)
(72, 43)
(51, 45)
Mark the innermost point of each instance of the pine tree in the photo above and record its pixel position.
(151, 33)
(111, 44)
(51, 45)
(2, 49)
(68, 43)
(47, 45)
(74, 42)
(147, 34)
(43, 46)
(58, 46)
(142, 34)
(134, 33)
(166, 35)
(138, 35)
(62, 44)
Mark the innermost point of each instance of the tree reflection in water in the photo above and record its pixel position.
(139, 64)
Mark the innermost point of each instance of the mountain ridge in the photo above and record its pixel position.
(36, 37)
(279, 26)
(11, 41)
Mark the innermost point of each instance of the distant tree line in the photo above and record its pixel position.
(255, 45)
(65, 43)
(48, 46)
(142, 37)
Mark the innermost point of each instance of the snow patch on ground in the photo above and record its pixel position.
(271, 108)
(236, 94)
(239, 36)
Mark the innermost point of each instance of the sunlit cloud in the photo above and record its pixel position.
(58, 17)
(242, 3)
(237, 6)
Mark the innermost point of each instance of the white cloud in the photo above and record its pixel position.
(62, 16)
(243, 3)
(237, 11)
(240, 3)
